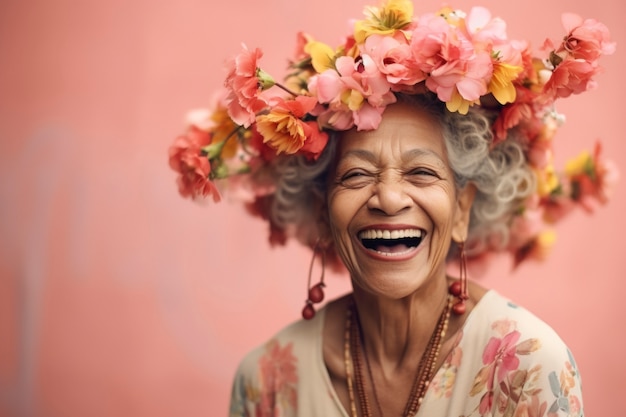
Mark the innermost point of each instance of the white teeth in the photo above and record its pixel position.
(390, 234)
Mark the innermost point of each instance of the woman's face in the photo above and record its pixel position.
(393, 207)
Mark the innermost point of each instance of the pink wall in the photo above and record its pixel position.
(118, 298)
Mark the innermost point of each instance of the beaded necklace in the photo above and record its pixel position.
(352, 360)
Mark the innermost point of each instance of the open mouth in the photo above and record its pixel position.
(391, 242)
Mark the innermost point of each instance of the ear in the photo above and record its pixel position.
(464, 201)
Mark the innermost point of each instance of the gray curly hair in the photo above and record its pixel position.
(500, 173)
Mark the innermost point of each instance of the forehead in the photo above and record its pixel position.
(404, 128)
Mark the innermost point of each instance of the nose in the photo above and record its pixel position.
(390, 197)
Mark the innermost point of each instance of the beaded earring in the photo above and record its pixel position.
(459, 288)
(315, 294)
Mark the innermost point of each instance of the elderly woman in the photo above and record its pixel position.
(415, 145)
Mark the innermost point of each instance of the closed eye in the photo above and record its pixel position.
(357, 178)
(422, 171)
(421, 176)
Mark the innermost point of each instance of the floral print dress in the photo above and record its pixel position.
(506, 362)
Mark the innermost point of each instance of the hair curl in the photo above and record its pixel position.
(500, 173)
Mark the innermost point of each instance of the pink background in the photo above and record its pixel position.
(118, 298)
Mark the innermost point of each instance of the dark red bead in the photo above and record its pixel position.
(455, 288)
(308, 312)
(459, 308)
(316, 293)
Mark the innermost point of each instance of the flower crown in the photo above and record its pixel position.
(465, 59)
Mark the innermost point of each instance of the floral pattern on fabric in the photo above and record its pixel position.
(562, 386)
(277, 382)
(505, 363)
(502, 385)
(443, 382)
(508, 391)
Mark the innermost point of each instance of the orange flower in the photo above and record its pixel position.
(244, 82)
(222, 129)
(185, 157)
(284, 130)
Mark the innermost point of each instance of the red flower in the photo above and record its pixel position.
(244, 87)
(572, 76)
(593, 181)
(185, 157)
(513, 114)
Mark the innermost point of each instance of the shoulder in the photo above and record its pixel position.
(502, 335)
(286, 352)
(496, 316)
(294, 341)
(269, 377)
(522, 361)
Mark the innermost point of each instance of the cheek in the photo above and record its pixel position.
(339, 212)
(343, 207)
(441, 207)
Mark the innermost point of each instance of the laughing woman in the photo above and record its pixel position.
(415, 145)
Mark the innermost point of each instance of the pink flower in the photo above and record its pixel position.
(336, 118)
(185, 157)
(502, 351)
(484, 29)
(357, 86)
(243, 84)
(454, 67)
(572, 76)
(586, 39)
(393, 58)
(362, 75)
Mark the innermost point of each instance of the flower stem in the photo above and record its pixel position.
(279, 85)
(214, 150)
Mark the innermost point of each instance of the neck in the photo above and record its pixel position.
(395, 332)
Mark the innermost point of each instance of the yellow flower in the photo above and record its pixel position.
(501, 84)
(222, 128)
(281, 130)
(458, 103)
(394, 15)
(452, 17)
(582, 164)
(322, 55)
(547, 181)
(353, 99)
(543, 244)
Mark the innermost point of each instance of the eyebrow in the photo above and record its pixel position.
(420, 152)
(406, 156)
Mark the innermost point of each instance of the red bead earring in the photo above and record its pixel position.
(315, 293)
(459, 288)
